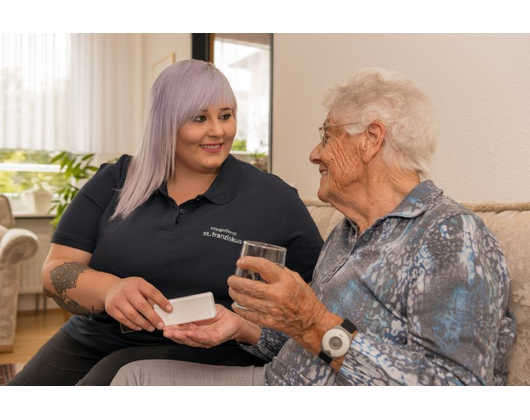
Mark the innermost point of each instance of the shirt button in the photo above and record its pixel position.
(182, 211)
(365, 238)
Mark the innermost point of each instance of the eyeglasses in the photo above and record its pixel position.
(322, 131)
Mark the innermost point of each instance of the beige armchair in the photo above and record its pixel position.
(15, 245)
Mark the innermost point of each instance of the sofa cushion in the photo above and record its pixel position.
(324, 215)
(510, 223)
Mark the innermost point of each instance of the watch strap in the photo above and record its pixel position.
(349, 326)
(325, 357)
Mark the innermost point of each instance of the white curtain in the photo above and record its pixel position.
(34, 76)
(76, 92)
(106, 93)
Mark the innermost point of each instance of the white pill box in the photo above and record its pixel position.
(189, 309)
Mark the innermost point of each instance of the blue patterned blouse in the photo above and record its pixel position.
(427, 287)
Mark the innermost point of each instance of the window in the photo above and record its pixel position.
(66, 92)
(27, 179)
(246, 64)
(34, 79)
(22, 170)
(245, 59)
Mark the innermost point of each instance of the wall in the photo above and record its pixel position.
(479, 83)
(157, 46)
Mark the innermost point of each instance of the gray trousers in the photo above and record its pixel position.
(177, 373)
(64, 361)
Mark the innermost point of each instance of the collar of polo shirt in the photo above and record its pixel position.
(223, 189)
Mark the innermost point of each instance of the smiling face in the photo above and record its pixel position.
(339, 163)
(204, 143)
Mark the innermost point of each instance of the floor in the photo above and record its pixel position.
(33, 330)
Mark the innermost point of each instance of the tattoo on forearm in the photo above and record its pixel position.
(64, 277)
(69, 305)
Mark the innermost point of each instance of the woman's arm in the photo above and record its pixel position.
(67, 275)
(75, 287)
(285, 303)
(211, 332)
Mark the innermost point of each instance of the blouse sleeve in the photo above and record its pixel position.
(269, 344)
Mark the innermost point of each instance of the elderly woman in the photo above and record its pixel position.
(410, 288)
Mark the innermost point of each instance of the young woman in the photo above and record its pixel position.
(166, 223)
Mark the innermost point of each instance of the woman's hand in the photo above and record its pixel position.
(130, 301)
(285, 303)
(211, 332)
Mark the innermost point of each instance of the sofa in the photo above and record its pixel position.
(510, 223)
(16, 245)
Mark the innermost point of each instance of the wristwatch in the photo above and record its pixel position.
(337, 341)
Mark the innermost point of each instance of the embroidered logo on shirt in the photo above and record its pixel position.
(224, 234)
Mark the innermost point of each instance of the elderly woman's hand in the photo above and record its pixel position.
(285, 303)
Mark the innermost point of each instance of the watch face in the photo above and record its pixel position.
(335, 343)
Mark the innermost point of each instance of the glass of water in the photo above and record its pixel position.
(273, 253)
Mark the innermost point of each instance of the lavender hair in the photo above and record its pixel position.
(181, 92)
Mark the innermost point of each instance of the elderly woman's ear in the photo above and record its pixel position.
(374, 140)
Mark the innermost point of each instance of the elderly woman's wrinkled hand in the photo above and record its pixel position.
(284, 303)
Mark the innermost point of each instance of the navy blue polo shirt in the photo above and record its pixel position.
(182, 249)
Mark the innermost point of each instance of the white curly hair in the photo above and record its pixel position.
(406, 111)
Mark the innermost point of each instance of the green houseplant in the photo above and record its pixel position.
(75, 168)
